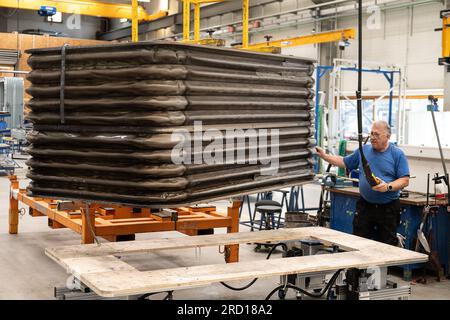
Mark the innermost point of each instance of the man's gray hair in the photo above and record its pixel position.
(384, 124)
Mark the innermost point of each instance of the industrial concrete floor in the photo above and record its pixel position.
(26, 273)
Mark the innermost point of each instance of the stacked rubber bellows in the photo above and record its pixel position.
(109, 138)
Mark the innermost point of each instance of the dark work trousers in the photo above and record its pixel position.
(377, 221)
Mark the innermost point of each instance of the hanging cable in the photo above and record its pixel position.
(239, 288)
(285, 248)
(145, 296)
(370, 177)
(309, 294)
(254, 280)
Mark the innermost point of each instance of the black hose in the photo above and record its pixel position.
(254, 280)
(367, 171)
(358, 92)
(240, 288)
(145, 296)
(168, 296)
(309, 294)
(276, 246)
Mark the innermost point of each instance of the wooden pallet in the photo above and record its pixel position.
(115, 222)
(100, 269)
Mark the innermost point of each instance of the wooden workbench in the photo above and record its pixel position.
(414, 198)
(100, 269)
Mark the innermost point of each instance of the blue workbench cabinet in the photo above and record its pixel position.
(343, 208)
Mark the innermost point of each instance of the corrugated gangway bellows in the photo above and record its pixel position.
(109, 119)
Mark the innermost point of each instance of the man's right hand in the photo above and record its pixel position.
(334, 160)
(320, 152)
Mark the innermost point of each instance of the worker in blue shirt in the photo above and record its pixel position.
(378, 209)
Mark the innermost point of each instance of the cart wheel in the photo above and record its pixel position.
(282, 294)
(256, 249)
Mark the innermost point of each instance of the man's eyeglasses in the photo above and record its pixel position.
(376, 135)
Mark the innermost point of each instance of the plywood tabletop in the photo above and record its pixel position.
(99, 267)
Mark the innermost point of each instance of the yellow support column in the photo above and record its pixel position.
(446, 37)
(186, 20)
(196, 21)
(134, 21)
(245, 10)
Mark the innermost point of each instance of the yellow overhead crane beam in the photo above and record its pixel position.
(322, 37)
(268, 46)
(87, 8)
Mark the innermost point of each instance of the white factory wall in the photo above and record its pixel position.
(414, 46)
(307, 51)
(423, 160)
(405, 37)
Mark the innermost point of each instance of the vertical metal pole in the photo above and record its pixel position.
(186, 20)
(245, 17)
(318, 76)
(320, 72)
(439, 144)
(391, 96)
(134, 21)
(197, 21)
(358, 92)
(316, 134)
(303, 199)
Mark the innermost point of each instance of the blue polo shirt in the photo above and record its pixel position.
(388, 166)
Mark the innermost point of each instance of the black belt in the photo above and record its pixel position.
(378, 205)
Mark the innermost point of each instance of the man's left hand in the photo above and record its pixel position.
(382, 187)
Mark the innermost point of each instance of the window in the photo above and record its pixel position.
(382, 113)
(371, 112)
(419, 128)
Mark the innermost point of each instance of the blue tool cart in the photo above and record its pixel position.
(4, 129)
(343, 206)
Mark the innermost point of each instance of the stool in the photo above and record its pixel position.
(284, 202)
(268, 209)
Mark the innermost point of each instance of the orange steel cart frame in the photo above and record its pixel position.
(115, 222)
